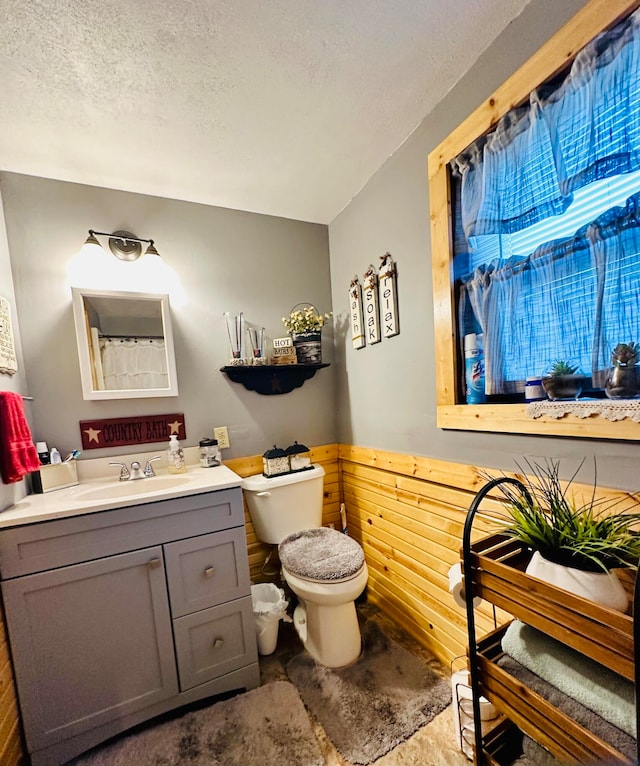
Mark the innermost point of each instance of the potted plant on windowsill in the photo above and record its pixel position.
(563, 381)
(305, 324)
(622, 380)
(577, 545)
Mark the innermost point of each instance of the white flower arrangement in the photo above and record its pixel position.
(303, 320)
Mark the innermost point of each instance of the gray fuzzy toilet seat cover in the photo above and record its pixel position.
(321, 554)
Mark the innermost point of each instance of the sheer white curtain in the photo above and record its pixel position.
(130, 363)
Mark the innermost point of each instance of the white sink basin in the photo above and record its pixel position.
(132, 488)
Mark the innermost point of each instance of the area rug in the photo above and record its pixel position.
(370, 707)
(268, 726)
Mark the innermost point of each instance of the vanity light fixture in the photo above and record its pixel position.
(123, 244)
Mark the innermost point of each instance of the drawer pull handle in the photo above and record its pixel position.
(154, 563)
(209, 572)
(218, 643)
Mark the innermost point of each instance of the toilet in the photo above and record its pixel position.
(323, 567)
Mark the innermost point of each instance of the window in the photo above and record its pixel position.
(529, 234)
(546, 221)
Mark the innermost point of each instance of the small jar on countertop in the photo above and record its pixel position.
(209, 453)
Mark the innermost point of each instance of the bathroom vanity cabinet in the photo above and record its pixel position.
(117, 616)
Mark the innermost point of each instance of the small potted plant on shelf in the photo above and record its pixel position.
(577, 544)
(622, 379)
(305, 324)
(563, 381)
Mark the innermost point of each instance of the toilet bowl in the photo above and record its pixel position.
(323, 567)
(327, 571)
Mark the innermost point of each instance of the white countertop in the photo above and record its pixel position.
(103, 494)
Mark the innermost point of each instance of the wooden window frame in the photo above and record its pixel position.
(554, 57)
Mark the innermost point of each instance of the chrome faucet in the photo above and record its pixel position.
(136, 471)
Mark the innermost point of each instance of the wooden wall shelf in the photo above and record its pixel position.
(270, 379)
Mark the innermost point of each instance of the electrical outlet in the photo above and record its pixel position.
(222, 435)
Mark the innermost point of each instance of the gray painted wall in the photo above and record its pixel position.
(227, 260)
(386, 392)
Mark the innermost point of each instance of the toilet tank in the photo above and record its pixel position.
(282, 505)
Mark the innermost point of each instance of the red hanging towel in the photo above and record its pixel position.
(18, 454)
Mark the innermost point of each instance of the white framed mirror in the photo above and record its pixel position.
(125, 344)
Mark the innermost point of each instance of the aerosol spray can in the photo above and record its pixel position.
(474, 369)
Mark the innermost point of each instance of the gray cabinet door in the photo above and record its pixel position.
(91, 643)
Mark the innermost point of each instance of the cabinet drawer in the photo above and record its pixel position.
(51, 544)
(207, 570)
(214, 642)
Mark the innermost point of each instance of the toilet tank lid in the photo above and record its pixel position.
(260, 483)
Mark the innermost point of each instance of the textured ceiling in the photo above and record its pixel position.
(284, 107)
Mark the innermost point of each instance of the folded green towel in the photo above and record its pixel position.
(606, 693)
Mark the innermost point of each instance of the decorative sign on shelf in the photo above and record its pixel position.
(355, 309)
(388, 296)
(283, 351)
(371, 310)
(8, 361)
(116, 432)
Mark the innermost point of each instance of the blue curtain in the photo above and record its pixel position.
(572, 298)
(585, 129)
(533, 310)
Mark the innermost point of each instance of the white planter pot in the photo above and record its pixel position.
(602, 587)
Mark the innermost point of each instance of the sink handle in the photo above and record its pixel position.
(124, 471)
(148, 469)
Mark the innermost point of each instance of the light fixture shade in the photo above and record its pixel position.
(91, 246)
(151, 250)
(91, 239)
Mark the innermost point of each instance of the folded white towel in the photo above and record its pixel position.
(606, 693)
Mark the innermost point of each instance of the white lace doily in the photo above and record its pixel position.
(610, 409)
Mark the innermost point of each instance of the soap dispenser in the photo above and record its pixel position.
(175, 456)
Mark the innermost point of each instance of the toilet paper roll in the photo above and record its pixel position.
(456, 589)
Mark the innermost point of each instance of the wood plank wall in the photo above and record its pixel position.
(408, 514)
(11, 747)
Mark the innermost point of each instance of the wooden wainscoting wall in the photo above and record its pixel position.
(408, 514)
(11, 747)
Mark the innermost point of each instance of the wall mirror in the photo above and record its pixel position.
(125, 344)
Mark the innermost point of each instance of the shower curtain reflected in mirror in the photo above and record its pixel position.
(131, 363)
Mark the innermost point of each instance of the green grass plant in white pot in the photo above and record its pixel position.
(577, 544)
